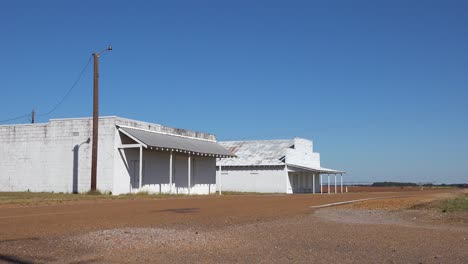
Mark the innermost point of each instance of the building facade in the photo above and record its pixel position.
(274, 166)
(133, 156)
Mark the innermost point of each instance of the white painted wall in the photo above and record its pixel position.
(55, 156)
(203, 175)
(156, 173)
(253, 179)
(302, 154)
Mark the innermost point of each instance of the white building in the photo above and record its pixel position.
(56, 157)
(274, 166)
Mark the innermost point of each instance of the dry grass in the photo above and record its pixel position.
(33, 198)
(458, 204)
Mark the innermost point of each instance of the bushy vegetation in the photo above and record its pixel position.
(455, 204)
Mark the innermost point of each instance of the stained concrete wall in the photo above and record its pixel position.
(271, 179)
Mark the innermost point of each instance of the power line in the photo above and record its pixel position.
(69, 90)
(59, 103)
(14, 118)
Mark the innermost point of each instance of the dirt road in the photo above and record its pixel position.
(263, 228)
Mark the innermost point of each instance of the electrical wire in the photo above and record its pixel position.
(69, 90)
(59, 103)
(15, 118)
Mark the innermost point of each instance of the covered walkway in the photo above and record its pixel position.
(310, 180)
(166, 163)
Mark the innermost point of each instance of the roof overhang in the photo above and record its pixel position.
(169, 142)
(319, 170)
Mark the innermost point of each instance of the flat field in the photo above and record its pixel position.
(391, 227)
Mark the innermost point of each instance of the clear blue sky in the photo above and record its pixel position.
(381, 87)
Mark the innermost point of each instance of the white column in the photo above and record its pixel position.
(341, 175)
(313, 183)
(328, 183)
(335, 183)
(321, 183)
(189, 172)
(141, 168)
(219, 178)
(288, 182)
(170, 172)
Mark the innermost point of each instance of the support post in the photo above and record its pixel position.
(313, 183)
(335, 184)
(321, 184)
(341, 175)
(189, 172)
(219, 178)
(141, 169)
(328, 176)
(170, 172)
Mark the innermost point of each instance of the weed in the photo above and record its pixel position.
(455, 204)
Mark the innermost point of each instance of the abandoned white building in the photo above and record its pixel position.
(132, 156)
(274, 166)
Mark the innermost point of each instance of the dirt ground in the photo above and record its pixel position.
(235, 229)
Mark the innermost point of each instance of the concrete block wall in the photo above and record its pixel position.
(302, 154)
(54, 157)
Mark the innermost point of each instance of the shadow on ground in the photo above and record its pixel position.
(180, 210)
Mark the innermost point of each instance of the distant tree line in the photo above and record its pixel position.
(394, 184)
(412, 184)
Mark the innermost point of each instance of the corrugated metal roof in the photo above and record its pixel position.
(264, 153)
(177, 143)
(256, 153)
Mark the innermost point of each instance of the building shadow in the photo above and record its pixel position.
(76, 156)
(14, 259)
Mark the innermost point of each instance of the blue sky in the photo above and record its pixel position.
(381, 87)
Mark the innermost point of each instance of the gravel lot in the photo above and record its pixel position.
(233, 229)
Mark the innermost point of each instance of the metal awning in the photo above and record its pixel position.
(176, 143)
(319, 170)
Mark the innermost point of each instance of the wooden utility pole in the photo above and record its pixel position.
(94, 153)
(95, 122)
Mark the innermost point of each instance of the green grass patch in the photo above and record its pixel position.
(458, 204)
